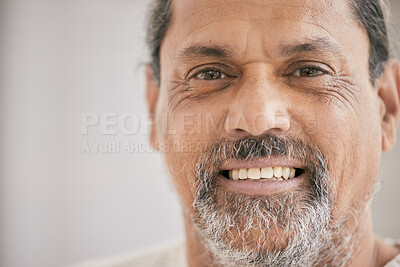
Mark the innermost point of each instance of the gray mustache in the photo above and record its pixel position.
(250, 148)
(268, 145)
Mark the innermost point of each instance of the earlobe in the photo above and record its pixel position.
(152, 94)
(389, 93)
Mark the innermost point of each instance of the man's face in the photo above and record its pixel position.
(284, 73)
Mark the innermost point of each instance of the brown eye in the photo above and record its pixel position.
(308, 72)
(210, 75)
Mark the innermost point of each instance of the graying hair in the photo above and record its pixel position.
(227, 220)
(371, 14)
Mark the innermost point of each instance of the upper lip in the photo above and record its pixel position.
(261, 163)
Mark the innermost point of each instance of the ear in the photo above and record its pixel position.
(152, 94)
(389, 91)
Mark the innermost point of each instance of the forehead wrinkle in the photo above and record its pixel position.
(223, 51)
(199, 7)
(268, 48)
(220, 51)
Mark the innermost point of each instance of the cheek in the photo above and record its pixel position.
(187, 133)
(180, 168)
(350, 140)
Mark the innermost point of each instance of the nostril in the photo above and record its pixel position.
(239, 133)
(238, 130)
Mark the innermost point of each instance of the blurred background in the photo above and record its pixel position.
(67, 195)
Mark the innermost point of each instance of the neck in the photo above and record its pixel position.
(370, 250)
(196, 252)
(364, 253)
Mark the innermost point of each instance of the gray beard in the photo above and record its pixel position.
(289, 229)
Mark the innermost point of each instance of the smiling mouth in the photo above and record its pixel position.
(264, 174)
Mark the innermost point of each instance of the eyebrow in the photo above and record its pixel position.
(312, 44)
(217, 51)
(197, 51)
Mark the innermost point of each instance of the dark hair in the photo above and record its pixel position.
(158, 20)
(369, 13)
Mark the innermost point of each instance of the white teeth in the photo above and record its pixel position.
(235, 174)
(254, 173)
(242, 174)
(277, 171)
(285, 173)
(292, 173)
(267, 172)
(263, 174)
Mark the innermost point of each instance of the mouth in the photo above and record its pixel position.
(263, 174)
(263, 177)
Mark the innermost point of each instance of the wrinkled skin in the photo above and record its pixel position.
(289, 68)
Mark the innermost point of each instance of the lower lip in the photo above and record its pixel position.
(260, 187)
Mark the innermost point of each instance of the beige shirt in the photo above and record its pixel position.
(170, 255)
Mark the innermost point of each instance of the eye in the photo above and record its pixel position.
(210, 74)
(309, 72)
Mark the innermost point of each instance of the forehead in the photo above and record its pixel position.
(210, 11)
(251, 26)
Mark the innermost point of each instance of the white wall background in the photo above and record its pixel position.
(58, 205)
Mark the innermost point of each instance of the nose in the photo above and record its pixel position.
(257, 108)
